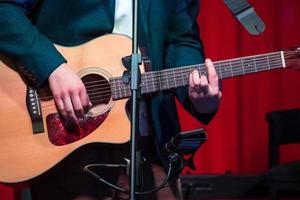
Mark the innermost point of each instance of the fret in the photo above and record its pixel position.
(283, 58)
(185, 72)
(171, 78)
(114, 88)
(187, 77)
(156, 81)
(261, 63)
(118, 88)
(113, 91)
(219, 69)
(255, 67)
(225, 69)
(174, 77)
(249, 65)
(182, 77)
(275, 60)
(123, 86)
(122, 89)
(147, 83)
(268, 63)
(144, 83)
(153, 83)
(236, 68)
(159, 80)
(119, 94)
(230, 66)
(242, 65)
(162, 80)
(166, 80)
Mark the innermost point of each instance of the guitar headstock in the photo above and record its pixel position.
(292, 58)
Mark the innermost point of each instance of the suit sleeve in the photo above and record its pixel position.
(24, 44)
(184, 47)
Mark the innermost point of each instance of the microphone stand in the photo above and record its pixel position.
(135, 168)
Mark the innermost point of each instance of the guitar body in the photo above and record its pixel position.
(25, 155)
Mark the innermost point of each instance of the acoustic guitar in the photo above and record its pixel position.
(33, 136)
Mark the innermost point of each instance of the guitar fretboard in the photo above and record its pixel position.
(179, 76)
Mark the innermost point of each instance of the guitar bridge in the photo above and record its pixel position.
(34, 110)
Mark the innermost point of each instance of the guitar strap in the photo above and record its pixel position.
(146, 59)
(245, 13)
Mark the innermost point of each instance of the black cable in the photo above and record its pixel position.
(101, 179)
(172, 158)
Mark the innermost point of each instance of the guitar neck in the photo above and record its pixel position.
(179, 76)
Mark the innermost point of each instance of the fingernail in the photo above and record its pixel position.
(207, 60)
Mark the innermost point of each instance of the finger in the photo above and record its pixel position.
(196, 77)
(191, 81)
(69, 108)
(203, 81)
(212, 74)
(77, 105)
(220, 95)
(85, 101)
(204, 86)
(60, 106)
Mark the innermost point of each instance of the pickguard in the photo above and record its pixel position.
(62, 132)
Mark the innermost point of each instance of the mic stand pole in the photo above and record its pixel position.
(135, 167)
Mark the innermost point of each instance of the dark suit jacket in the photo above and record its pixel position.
(168, 29)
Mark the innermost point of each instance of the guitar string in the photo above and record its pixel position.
(180, 75)
(232, 65)
(256, 58)
(163, 72)
(185, 68)
(216, 62)
(105, 91)
(94, 99)
(162, 79)
(236, 64)
(278, 61)
(108, 92)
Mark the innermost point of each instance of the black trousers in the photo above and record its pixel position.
(67, 180)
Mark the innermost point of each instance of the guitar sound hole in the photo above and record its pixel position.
(98, 89)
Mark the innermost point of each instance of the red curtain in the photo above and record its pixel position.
(238, 135)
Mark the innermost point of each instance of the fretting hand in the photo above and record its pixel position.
(204, 91)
